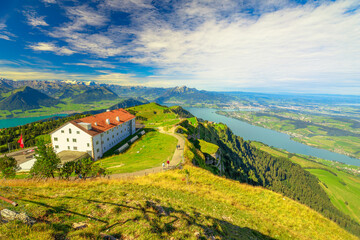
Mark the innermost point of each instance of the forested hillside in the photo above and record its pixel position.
(26, 98)
(243, 162)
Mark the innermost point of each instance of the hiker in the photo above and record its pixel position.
(168, 163)
(163, 165)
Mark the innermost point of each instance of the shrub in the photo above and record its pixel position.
(8, 167)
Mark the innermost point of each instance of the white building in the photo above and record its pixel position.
(94, 134)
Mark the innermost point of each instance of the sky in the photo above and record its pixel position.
(293, 46)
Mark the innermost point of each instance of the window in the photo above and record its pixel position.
(108, 139)
(112, 136)
(74, 139)
(97, 150)
(102, 134)
(75, 148)
(69, 147)
(67, 140)
(88, 144)
(55, 138)
(56, 146)
(97, 142)
(77, 132)
(62, 131)
(70, 130)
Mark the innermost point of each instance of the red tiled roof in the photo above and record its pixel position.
(100, 120)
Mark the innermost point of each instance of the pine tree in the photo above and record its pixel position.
(47, 162)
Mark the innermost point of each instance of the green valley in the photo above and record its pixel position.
(335, 134)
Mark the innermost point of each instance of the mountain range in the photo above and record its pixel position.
(15, 95)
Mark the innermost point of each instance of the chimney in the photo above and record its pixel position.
(95, 123)
(118, 119)
(108, 121)
(108, 110)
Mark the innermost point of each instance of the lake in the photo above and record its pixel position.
(13, 122)
(269, 137)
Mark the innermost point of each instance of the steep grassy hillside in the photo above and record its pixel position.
(238, 159)
(163, 206)
(343, 188)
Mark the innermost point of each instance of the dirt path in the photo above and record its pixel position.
(177, 158)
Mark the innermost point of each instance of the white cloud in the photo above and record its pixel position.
(51, 47)
(49, 1)
(299, 44)
(223, 43)
(4, 34)
(34, 20)
(128, 5)
(93, 64)
(86, 16)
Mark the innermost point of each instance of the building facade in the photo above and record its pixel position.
(94, 134)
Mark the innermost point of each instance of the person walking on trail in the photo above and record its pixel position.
(168, 163)
(163, 165)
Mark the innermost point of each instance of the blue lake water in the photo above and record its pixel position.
(6, 123)
(270, 137)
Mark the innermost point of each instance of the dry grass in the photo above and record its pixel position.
(162, 206)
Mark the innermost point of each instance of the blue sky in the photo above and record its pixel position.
(248, 45)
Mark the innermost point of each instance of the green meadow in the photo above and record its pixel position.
(151, 150)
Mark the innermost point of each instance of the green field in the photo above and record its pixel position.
(162, 206)
(335, 134)
(342, 187)
(151, 150)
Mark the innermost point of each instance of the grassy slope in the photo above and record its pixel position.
(309, 134)
(210, 205)
(153, 115)
(207, 147)
(150, 151)
(334, 185)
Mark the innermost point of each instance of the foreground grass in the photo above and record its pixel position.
(342, 188)
(163, 206)
(149, 151)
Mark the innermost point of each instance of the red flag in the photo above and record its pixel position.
(21, 141)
